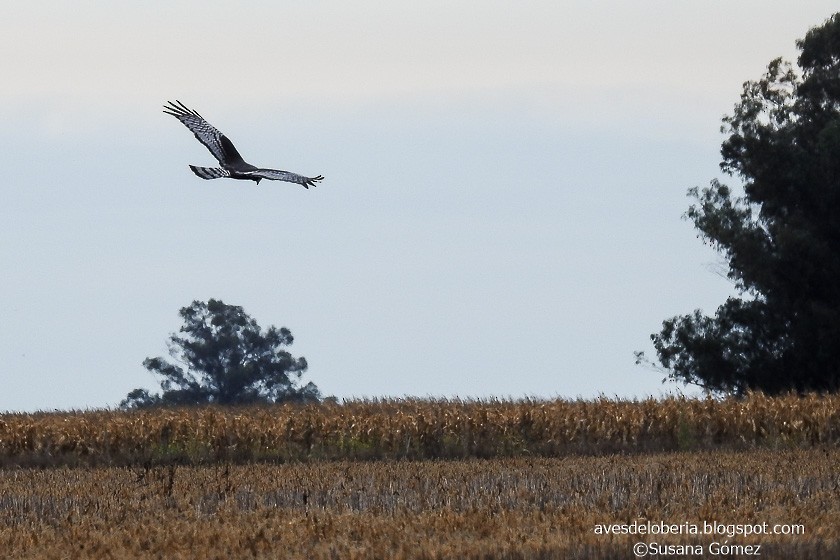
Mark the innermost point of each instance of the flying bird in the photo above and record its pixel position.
(222, 148)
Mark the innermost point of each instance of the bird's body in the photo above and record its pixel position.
(233, 166)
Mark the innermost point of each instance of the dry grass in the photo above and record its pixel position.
(417, 429)
(522, 480)
(500, 508)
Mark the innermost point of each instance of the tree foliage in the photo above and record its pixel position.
(222, 356)
(781, 237)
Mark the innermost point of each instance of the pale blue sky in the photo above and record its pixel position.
(501, 214)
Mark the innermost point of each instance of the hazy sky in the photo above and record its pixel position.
(501, 214)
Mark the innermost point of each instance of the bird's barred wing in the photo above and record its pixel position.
(277, 175)
(210, 172)
(220, 146)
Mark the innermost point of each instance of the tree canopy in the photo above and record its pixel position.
(781, 236)
(222, 356)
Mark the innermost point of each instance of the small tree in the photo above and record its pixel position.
(781, 238)
(222, 356)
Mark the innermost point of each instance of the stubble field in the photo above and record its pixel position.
(693, 487)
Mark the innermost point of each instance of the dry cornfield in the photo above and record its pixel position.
(475, 508)
(422, 479)
(416, 429)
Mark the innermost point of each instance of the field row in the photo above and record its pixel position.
(501, 508)
(416, 429)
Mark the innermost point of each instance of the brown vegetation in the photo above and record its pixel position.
(419, 479)
(416, 429)
(500, 508)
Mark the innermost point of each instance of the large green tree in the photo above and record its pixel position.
(222, 356)
(780, 236)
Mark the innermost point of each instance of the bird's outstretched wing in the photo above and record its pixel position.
(278, 175)
(218, 144)
(210, 172)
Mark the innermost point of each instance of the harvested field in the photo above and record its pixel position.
(501, 508)
(427, 479)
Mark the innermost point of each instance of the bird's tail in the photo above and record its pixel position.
(209, 172)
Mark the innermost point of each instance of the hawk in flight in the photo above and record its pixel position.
(222, 148)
